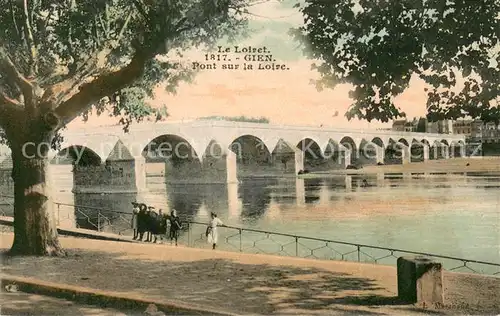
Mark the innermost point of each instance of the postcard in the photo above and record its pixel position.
(249, 157)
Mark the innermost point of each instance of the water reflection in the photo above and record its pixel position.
(187, 199)
(452, 214)
(97, 216)
(312, 188)
(300, 192)
(255, 196)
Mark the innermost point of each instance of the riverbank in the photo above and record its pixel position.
(453, 165)
(244, 283)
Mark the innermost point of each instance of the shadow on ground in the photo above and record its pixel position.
(29, 304)
(232, 286)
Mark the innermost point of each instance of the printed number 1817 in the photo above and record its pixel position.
(215, 57)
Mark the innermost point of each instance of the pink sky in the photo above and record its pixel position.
(284, 97)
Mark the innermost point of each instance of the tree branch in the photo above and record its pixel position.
(10, 110)
(11, 71)
(59, 91)
(30, 42)
(14, 21)
(103, 86)
(4, 99)
(124, 27)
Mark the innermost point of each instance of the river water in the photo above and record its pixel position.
(448, 214)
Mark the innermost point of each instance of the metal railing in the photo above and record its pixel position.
(6, 209)
(274, 243)
(248, 240)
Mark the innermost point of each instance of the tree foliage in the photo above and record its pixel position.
(59, 58)
(378, 45)
(421, 125)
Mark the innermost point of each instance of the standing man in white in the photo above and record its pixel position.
(134, 219)
(211, 233)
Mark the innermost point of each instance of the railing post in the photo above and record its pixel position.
(189, 234)
(58, 214)
(241, 248)
(98, 221)
(359, 253)
(296, 246)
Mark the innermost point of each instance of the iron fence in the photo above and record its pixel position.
(248, 240)
(265, 242)
(6, 209)
(6, 205)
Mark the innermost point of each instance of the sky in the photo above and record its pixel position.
(284, 97)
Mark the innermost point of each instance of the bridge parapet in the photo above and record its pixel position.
(200, 133)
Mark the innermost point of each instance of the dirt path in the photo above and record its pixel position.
(243, 283)
(29, 304)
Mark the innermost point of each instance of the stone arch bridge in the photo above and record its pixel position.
(221, 151)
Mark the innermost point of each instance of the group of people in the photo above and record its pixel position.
(146, 220)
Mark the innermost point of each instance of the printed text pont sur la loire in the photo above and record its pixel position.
(240, 58)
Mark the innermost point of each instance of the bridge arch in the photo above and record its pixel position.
(313, 156)
(250, 149)
(78, 155)
(433, 149)
(172, 156)
(336, 155)
(368, 152)
(437, 143)
(458, 148)
(169, 147)
(437, 149)
(417, 151)
(378, 141)
(393, 152)
(214, 149)
(215, 165)
(252, 155)
(83, 163)
(425, 142)
(349, 143)
(283, 156)
(311, 148)
(404, 141)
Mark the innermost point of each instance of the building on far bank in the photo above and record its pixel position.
(481, 138)
(472, 129)
(422, 125)
(399, 125)
(405, 125)
(477, 131)
(491, 133)
(440, 127)
(463, 127)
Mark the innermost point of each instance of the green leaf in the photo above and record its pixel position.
(69, 34)
(382, 46)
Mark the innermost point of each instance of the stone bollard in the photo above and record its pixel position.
(420, 280)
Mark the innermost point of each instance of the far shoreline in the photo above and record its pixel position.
(445, 166)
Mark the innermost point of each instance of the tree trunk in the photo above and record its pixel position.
(35, 230)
